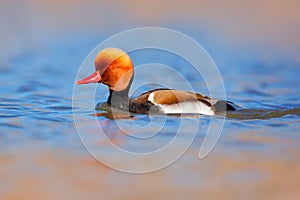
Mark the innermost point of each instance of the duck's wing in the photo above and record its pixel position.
(172, 101)
(175, 101)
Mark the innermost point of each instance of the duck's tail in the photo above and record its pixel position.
(222, 105)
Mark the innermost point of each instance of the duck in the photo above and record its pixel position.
(114, 68)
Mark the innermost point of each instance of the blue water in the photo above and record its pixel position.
(36, 118)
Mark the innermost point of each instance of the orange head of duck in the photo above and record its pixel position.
(113, 68)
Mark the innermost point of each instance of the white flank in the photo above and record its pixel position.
(188, 107)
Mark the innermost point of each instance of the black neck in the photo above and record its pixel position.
(119, 99)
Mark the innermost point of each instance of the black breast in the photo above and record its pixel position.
(145, 107)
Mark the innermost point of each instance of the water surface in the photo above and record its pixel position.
(42, 156)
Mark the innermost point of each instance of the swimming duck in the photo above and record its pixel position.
(114, 68)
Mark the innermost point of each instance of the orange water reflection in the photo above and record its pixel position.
(55, 174)
(267, 26)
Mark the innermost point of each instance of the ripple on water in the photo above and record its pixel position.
(11, 125)
(262, 113)
(37, 107)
